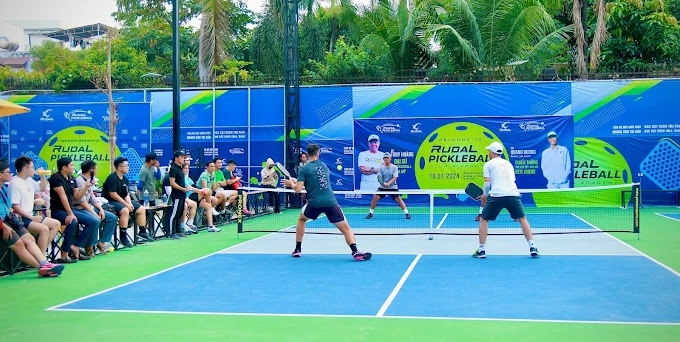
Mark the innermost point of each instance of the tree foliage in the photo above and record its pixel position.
(642, 34)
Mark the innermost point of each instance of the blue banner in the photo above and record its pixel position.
(80, 131)
(449, 153)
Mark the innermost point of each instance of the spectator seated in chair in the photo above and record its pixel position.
(208, 197)
(226, 195)
(23, 190)
(90, 203)
(64, 194)
(14, 235)
(115, 190)
(148, 175)
(231, 182)
(270, 179)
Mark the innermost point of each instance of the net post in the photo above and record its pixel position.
(239, 212)
(431, 211)
(636, 209)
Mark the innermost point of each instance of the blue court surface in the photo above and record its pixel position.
(570, 288)
(455, 221)
(674, 217)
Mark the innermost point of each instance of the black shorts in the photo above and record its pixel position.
(28, 221)
(334, 214)
(120, 206)
(494, 205)
(194, 197)
(394, 196)
(12, 239)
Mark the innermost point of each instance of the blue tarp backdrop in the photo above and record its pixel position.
(614, 131)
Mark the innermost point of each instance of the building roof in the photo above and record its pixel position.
(87, 31)
(15, 61)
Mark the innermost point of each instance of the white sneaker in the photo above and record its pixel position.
(214, 229)
(215, 212)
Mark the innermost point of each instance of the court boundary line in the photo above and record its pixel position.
(398, 287)
(58, 307)
(668, 217)
(668, 268)
(528, 320)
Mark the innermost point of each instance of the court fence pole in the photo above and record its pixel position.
(636, 210)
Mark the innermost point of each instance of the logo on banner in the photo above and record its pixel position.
(46, 116)
(80, 143)
(415, 128)
(338, 182)
(236, 150)
(532, 126)
(326, 150)
(504, 127)
(78, 115)
(388, 128)
(453, 156)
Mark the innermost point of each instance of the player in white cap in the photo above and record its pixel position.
(556, 164)
(500, 192)
(369, 162)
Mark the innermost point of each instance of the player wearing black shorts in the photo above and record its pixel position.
(315, 178)
(388, 173)
(500, 191)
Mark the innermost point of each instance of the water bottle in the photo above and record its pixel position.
(165, 199)
(146, 198)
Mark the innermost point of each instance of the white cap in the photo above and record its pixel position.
(552, 134)
(373, 137)
(495, 147)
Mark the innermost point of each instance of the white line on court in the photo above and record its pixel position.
(57, 307)
(668, 217)
(396, 289)
(370, 316)
(442, 221)
(631, 247)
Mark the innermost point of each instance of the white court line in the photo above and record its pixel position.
(668, 217)
(374, 317)
(396, 289)
(57, 307)
(631, 247)
(442, 221)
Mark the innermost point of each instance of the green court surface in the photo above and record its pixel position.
(24, 298)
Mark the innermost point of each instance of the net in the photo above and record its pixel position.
(452, 212)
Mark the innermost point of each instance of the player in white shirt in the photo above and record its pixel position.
(369, 162)
(23, 189)
(500, 192)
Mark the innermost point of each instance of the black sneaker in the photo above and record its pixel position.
(534, 252)
(124, 240)
(479, 254)
(146, 236)
(369, 216)
(408, 216)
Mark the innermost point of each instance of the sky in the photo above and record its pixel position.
(72, 13)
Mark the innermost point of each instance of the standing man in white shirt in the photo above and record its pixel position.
(22, 189)
(369, 162)
(501, 193)
(556, 164)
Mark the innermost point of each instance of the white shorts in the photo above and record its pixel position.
(228, 193)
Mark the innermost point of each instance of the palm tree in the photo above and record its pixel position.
(489, 34)
(397, 31)
(214, 35)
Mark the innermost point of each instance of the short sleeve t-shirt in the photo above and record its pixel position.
(178, 175)
(208, 178)
(58, 181)
(146, 175)
(316, 177)
(387, 173)
(502, 175)
(22, 192)
(115, 184)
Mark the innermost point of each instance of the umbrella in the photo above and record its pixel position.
(8, 108)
